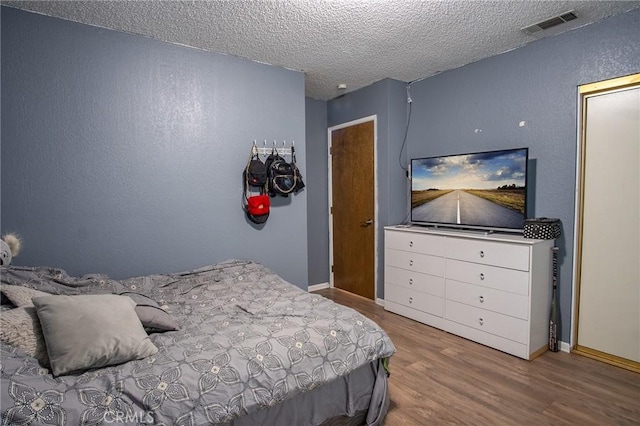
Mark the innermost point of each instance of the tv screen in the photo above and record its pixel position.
(485, 190)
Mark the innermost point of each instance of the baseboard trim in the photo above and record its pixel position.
(317, 287)
(565, 347)
(380, 302)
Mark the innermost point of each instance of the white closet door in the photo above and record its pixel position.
(609, 288)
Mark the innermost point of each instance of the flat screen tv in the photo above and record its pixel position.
(482, 190)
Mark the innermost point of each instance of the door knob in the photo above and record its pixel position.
(366, 223)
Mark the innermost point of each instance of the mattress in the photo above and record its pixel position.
(251, 349)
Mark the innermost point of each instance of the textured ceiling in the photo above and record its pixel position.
(356, 42)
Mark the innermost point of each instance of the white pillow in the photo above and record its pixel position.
(21, 296)
(20, 327)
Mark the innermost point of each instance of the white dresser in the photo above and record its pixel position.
(494, 289)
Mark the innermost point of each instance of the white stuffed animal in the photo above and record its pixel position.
(9, 248)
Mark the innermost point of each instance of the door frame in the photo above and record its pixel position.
(373, 118)
(584, 92)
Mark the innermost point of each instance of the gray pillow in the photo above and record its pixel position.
(91, 331)
(21, 296)
(20, 327)
(152, 316)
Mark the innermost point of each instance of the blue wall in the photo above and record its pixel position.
(124, 155)
(536, 84)
(317, 191)
(386, 99)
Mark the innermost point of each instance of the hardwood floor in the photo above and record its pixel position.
(439, 378)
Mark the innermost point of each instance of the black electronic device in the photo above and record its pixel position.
(481, 190)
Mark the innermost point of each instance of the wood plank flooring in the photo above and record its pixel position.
(439, 378)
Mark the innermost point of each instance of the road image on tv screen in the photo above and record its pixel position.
(478, 190)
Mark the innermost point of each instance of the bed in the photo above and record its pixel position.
(236, 344)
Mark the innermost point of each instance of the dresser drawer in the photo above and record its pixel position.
(514, 305)
(414, 242)
(415, 262)
(491, 322)
(415, 280)
(510, 280)
(514, 256)
(414, 299)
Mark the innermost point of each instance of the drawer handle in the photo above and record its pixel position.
(410, 281)
(411, 300)
(481, 253)
(481, 277)
(411, 263)
(480, 321)
(410, 243)
(481, 299)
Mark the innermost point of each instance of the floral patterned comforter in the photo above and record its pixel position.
(247, 340)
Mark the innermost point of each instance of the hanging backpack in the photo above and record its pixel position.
(298, 176)
(255, 174)
(256, 207)
(281, 176)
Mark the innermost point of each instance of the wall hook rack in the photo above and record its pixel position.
(267, 150)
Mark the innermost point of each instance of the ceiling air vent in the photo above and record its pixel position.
(550, 23)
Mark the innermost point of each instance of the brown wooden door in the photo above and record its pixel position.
(353, 202)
